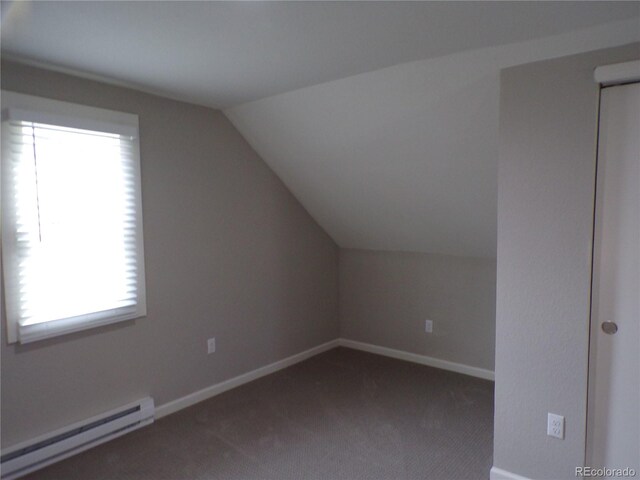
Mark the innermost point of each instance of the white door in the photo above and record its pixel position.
(613, 435)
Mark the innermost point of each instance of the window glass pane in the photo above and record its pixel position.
(85, 214)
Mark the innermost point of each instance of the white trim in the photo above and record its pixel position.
(47, 118)
(417, 358)
(500, 474)
(206, 393)
(213, 390)
(64, 326)
(218, 388)
(20, 106)
(618, 73)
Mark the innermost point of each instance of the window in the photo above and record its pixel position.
(72, 247)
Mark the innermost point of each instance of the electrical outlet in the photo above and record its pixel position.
(555, 426)
(428, 326)
(211, 345)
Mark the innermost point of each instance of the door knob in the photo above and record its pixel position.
(609, 328)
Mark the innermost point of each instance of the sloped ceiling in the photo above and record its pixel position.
(400, 158)
(404, 158)
(226, 53)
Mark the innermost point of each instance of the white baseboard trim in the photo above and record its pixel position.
(196, 397)
(417, 358)
(206, 393)
(500, 474)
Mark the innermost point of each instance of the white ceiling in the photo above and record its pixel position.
(404, 158)
(226, 53)
(397, 158)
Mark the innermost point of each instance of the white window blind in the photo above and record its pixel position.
(72, 222)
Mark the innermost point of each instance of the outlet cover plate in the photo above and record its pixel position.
(555, 425)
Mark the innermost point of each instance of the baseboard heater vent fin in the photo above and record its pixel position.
(55, 446)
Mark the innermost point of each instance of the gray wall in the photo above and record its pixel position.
(385, 298)
(546, 179)
(229, 253)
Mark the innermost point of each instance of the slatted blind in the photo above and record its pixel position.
(71, 226)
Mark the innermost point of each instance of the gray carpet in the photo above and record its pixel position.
(343, 414)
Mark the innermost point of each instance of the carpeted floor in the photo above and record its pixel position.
(343, 414)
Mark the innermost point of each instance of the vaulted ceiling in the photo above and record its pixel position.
(404, 158)
(381, 117)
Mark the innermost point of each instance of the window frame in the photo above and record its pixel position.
(17, 106)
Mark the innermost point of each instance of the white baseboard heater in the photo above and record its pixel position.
(55, 446)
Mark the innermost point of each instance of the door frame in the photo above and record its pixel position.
(604, 76)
